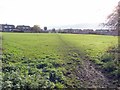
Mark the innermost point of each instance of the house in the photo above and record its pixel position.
(114, 32)
(67, 30)
(102, 30)
(23, 28)
(76, 31)
(88, 31)
(7, 27)
(0, 27)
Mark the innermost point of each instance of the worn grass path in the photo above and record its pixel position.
(85, 70)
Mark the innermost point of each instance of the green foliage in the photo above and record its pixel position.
(107, 57)
(110, 63)
(59, 85)
(34, 61)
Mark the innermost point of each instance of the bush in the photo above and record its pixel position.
(109, 66)
(107, 57)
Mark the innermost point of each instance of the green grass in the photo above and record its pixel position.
(45, 60)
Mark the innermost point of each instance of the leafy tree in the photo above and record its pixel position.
(45, 28)
(36, 28)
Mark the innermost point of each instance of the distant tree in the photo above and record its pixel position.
(45, 28)
(53, 30)
(113, 20)
(36, 28)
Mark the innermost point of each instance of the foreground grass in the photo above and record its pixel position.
(48, 60)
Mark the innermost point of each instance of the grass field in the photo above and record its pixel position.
(51, 60)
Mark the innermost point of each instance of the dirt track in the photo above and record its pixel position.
(89, 76)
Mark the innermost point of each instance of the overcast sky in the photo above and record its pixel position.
(55, 12)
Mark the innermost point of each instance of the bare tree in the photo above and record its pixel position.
(113, 20)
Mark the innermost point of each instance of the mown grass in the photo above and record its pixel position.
(47, 60)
